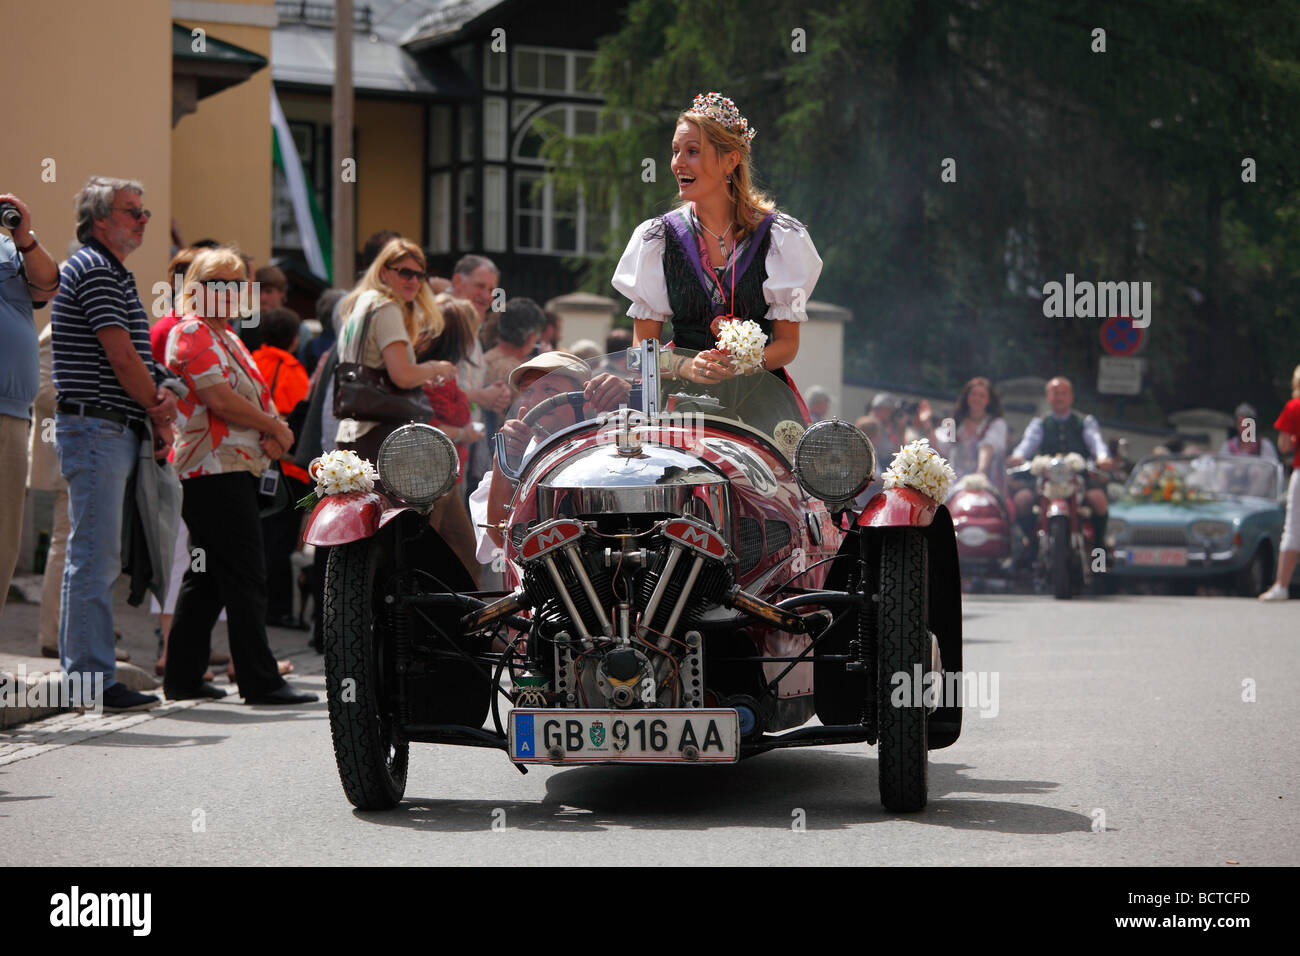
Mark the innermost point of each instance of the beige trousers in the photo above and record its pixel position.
(13, 496)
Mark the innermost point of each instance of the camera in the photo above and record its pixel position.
(10, 217)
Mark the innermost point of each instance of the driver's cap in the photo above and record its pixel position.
(552, 362)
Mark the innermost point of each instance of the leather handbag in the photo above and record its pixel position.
(368, 394)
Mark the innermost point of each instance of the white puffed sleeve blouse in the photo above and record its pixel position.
(793, 267)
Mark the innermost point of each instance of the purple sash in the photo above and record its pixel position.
(676, 222)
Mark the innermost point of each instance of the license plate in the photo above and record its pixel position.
(1162, 557)
(624, 736)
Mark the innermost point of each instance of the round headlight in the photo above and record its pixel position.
(1211, 530)
(834, 461)
(418, 464)
(1060, 471)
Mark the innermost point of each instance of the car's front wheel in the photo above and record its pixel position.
(360, 677)
(1251, 580)
(903, 636)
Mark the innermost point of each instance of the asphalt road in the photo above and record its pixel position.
(1121, 737)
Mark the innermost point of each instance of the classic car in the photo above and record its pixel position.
(686, 583)
(1192, 519)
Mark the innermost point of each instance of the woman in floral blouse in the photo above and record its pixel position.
(228, 435)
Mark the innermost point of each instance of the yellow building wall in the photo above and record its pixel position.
(390, 168)
(88, 91)
(389, 137)
(221, 155)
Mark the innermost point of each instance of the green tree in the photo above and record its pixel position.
(1123, 165)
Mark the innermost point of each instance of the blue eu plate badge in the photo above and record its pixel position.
(524, 746)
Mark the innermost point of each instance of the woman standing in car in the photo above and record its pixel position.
(724, 251)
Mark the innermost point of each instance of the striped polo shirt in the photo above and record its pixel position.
(96, 292)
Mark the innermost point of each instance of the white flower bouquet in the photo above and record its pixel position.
(1075, 461)
(918, 466)
(1038, 464)
(975, 481)
(338, 473)
(744, 341)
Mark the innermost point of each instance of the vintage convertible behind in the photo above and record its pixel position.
(686, 584)
(1201, 519)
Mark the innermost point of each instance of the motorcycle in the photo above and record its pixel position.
(1061, 561)
(985, 533)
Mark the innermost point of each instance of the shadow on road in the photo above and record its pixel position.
(825, 791)
(231, 711)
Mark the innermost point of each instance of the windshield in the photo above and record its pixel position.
(1202, 478)
(575, 391)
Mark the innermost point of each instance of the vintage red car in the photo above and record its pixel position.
(687, 585)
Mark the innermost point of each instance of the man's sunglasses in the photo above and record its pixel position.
(144, 215)
(410, 273)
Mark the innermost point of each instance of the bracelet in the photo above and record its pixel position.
(762, 361)
(30, 246)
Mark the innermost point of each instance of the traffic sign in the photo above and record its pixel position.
(1118, 337)
(1119, 376)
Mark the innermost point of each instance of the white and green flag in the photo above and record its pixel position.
(311, 224)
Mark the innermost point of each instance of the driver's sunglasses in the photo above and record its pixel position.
(135, 212)
(410, 273)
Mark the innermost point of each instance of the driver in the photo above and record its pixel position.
(540, 378)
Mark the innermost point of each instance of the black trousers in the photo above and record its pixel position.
(221, 513)
(280, 533)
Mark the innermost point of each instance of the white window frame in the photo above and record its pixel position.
(570, 110)
(440, 212)
(569, 71)
(495, 129)
(489, 58)
(494, 208)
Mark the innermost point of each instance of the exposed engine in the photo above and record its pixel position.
(621, 620)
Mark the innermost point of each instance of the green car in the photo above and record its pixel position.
(1199, 519)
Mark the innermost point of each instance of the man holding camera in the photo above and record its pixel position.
(107, 385)
(28, 279)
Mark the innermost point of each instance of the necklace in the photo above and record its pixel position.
(720, 236)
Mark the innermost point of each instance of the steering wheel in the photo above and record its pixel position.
(575, 400)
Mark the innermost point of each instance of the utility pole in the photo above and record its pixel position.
(344, 176)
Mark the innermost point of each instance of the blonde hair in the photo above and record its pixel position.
(750, 204)
(221, 260)
(421, 316)
(1295, 382)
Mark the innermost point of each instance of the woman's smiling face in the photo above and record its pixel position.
(695, 164)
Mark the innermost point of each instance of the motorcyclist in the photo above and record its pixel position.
(1062, 432)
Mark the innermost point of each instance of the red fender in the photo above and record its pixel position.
(341, 519)
(898, 508)
(1058, 506)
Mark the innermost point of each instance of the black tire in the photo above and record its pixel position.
(372, 761)
(1058, 556)
(903, 641)
(1252, 580)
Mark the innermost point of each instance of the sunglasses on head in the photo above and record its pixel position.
(409, 273)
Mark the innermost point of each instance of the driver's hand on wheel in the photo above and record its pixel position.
(516, 435)
(606, 391)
